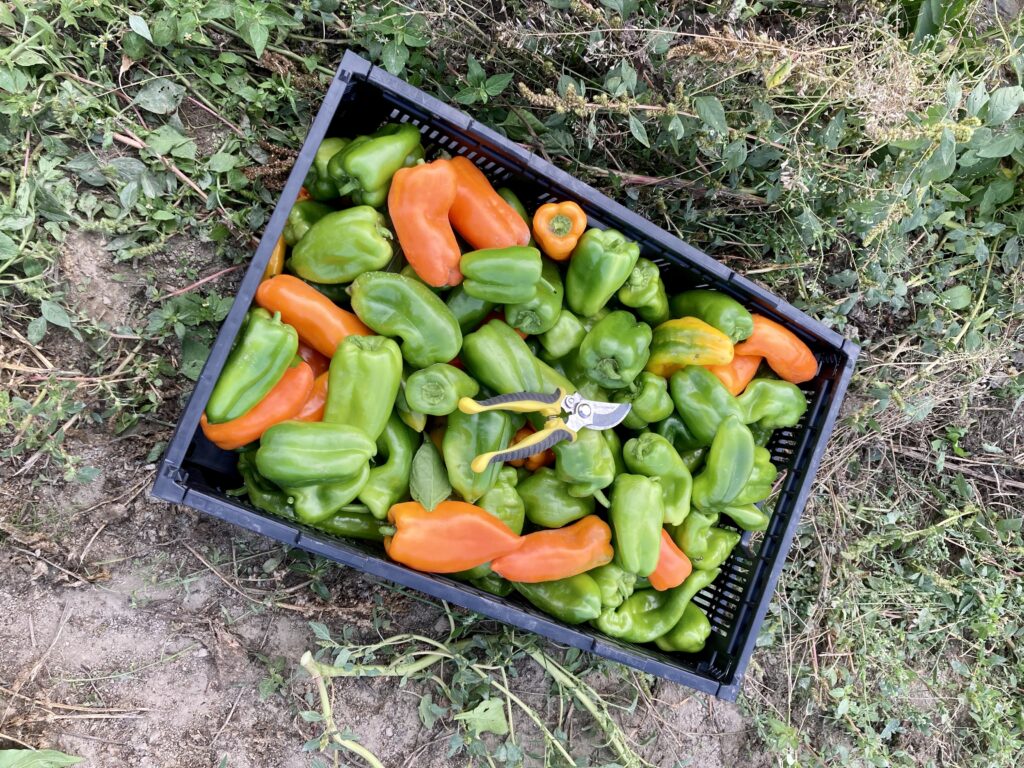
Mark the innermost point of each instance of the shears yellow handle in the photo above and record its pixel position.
(554, 432)
(547, 404)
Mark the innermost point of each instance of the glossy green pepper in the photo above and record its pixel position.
(303, 215)
(674, 429)
(321, 501)
(615, 350)
(295, 453)
(512, 199)
(771, 403)
(493, 583)
(465, 438)
(415, 420)
(762, 435)
(573, 600)
(644, 292)
(437, 389)
(648, 398)
(601, 263)
(648, 614)
(762, 477)
(702, 401)
(717, 310)
(547, 500)
(564, 337)
(389, 479)
(342, 245)
(694, 458)
(263, 351)
(749, 517)
(503, 500)
(611, 437)
(540, 313)
(571, 368)
(637, 516)
(393, 305)
(363, 383)
(502, 275)
(706, 545)
(689, 634)
(469, 311)
(727, 467)
(615, 584)
(363, 168)
(318, 181)
(653, 455)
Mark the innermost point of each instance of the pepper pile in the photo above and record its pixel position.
(342, 393)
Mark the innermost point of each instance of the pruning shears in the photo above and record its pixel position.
(579, 413)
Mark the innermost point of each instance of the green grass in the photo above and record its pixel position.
(865, 164)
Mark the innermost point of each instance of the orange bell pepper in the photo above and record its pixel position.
(480, 215)
(314, 359)
(419, 203)
(535, 461)
(276, 264)
(320, 322)
(789, 357)
(280, 404)
(673, 565)
(558, 553)
(455, 536)
(737, 374)
(313, 408)
(303, 195)
(557, 227)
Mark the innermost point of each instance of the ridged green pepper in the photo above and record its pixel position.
(652, 455)
(600, 264)
(303, 215)
(717, 310)
(615, 350)
(469, 311)
(263, 351)
(692, 630)
(762, 435)
(540, 313)
(573, 600)
(512, 199)
(648, 614)
(363, 168)
(648, 398)
(564, 337)
(437, 389)
(727, 468)
(637, 516)
(295, 453)
(693, 459)
(415, 420)
(706, 545)
(502, 275)
(749, 517)
(771, 403)
(342, 245)
(319, 502)
(762, 477)
(611, 437)
(644, 292)
(687, 341)
(493, 583)
(318, 181)
(702, 401)
(364, 379)
(572, 369)
(674, 429)
(547, 500)
(615, 584)
(465, 438)
(389, 480)
(393, 305)
(503, 500)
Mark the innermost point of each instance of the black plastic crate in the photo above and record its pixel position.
(361, 97)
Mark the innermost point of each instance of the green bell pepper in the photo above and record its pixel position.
(318, 181)
(342, 245)
(689, 634)
(573, 600)
(587, 465)
(295, 453)
(415, 420)
(611, 437)
(771, 403)
(363, 383)
(512, 199)
(652, 455)
(702, 401)
(615, 350)
(762, 477)
(262, 493)
(502, 275)
(393, 305)
(601, 263)
(504, 501)
(693, 459)
(548, 502)
(762, 435)
(539, 314)
(706, 545)
(572, 369)
(363, 169)
(321, 501)
(648, 398)
(389, 480)
(615, 584)
(648, 614)
(564, 336)
(303, 215)
(727, 468)
(469, 311)
(749, 517)
(493, 583)
(437, 389)
(637, 516)
(465, 438)
(717, 310)
(644, 291)
(263, 351)
(674, 429)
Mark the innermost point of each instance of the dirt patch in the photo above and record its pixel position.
(98, 288)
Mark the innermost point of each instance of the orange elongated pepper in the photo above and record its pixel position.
(789, 357)
(737, 374)
(320, 322)
(313, 408)
(419, 202)
(479, 214)
(454, 536)
(535, 461)
(314, 359)
(558, 553)
(280, 404)
(275, 266)
(557, 227)
(673, 565)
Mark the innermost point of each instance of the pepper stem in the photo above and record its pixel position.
(388, 530)
(560, 225)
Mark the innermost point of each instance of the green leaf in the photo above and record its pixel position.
(497, 83)
(957, 297)
(258, 35)
(942, 162)
(735, 154)
(321, 631)
(475, 74)
(977, 99)
(36, 330)
(394, 56)
(637, 129)
(428, 481)
(468, 95)
(140, 27)
(712, 113)
(778, 74)
(1003, 104)
(160, 96)
(486, 717)
(222, 162)
(1000, 146)
(55, 313)
(167, 141)
(998, 192)
(43, 758)
(429, 711)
